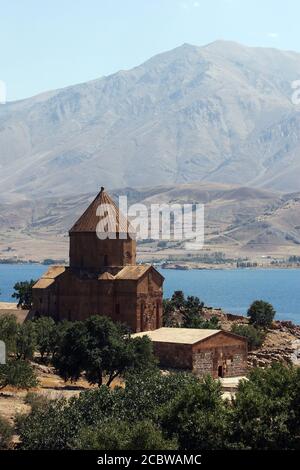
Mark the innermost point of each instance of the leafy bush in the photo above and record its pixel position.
(156, 411)
(266, 411)
(8, 332)
(36, 401)
(255, 336)
(198, 417)
(17, 373)
(145, 393)
(120, 435)
(26, 341)
(58, 426)
(6, 433)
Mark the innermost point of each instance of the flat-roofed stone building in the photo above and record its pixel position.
(103, 277)
(215, 352)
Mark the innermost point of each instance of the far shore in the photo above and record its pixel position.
(195, 266)
(176, 265)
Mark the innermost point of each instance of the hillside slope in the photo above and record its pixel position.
(239, 221)
(218, 113)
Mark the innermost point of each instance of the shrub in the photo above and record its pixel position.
(58, 425)
(26, 340)
(6, 433)
(266, 409)
(255, 336)
(198, 416)
(17, 373)
(36, 401)
(120, 435)
(8, 332)
(146, 393)
(154, 411)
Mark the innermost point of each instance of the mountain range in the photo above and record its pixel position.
(239, 221)
(220, 113)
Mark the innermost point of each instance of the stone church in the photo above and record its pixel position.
(103, 277)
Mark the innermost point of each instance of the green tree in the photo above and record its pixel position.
(23, 292)
(8, 332)
(17, 373)
(190, 312)
(45, 335)
(255, 336)
(59, 424)
(99, 347)
(198, 416)
(192, 315)
(266, 409)
(147, 392)
(120, 435)
(178, 299)
(261, 313)
(26, 340)
(170, 306)
(59, 332)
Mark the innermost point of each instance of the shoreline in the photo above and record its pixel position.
(175, 266)
(221, 267)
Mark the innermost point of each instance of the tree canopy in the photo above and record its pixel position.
(99, 347)
(23, 293)
(261, 313)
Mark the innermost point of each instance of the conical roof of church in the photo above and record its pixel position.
(116, 222)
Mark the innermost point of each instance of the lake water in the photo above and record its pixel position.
(232, 290)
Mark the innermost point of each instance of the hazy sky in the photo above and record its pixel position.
(47, 44)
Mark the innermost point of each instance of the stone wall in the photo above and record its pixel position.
(203, 363)
(138, 303)
(89, 252)
(174, 355)
(225, 351)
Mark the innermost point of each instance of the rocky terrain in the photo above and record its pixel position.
(218, 113)
(282, 341)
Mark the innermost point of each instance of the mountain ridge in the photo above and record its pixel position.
(216, 113)
(239, 221)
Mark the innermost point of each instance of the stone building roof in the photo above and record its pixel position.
(135, 272)
(178, 335)
(49, 277)
(89, 220)
(183, 335)
(106, 277)
(132, 272)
